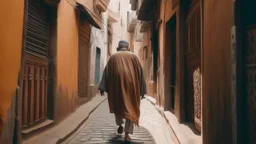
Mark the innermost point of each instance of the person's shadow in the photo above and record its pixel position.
(138, 139)
(118, 139)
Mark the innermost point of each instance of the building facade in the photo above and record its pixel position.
(204, 56)
(57, 61)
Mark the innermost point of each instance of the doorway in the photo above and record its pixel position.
(170, 58)
(192, 65)
(246, 57)
(36, 70)
(83, 58)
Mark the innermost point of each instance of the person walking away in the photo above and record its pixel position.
(124, 82)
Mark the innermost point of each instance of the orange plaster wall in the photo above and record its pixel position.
(67, 60)
(11, 28)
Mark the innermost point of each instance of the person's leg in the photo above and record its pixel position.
(119, 122)
(129, 126)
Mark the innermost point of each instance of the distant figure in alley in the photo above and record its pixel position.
(124, 82)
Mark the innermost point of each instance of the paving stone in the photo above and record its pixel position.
(95, 136)
(101, 128)
(84, 139)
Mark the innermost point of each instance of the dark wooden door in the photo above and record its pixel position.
(192, 65)
(34, 104)
(251, 81)
(83, 68)
(171, 58)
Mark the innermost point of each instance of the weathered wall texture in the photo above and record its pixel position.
(11, 28)
(7, 136)
(67, 60)
(216, 66)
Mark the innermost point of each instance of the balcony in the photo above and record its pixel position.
(138, 34)
(134, 4)
(86, 9)
(145, 9)
(113, 17)
(144, 26)
(131, 20)
(101, 5)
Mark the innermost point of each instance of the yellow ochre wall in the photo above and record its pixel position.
(67, 60)
(11, 29)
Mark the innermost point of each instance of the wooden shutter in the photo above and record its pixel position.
(34, 104)
(37, 29)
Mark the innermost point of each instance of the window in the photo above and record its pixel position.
(97, 66)
(145, 52)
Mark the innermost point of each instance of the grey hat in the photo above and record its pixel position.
(123, 43)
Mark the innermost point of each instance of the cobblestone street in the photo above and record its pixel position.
(101, 128)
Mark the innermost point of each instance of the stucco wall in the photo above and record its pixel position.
(97, 41)
(67, 60)
(11, 29)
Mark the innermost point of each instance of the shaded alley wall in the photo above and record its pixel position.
(216, 71)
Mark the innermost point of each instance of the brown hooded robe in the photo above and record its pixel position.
(124, 82)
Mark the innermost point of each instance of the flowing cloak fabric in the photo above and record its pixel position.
(124, 82)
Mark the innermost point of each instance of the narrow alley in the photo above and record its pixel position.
(193, 62)
(101, 128)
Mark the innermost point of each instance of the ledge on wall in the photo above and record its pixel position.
(101, 5)
(184, 132)
(112, 17)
